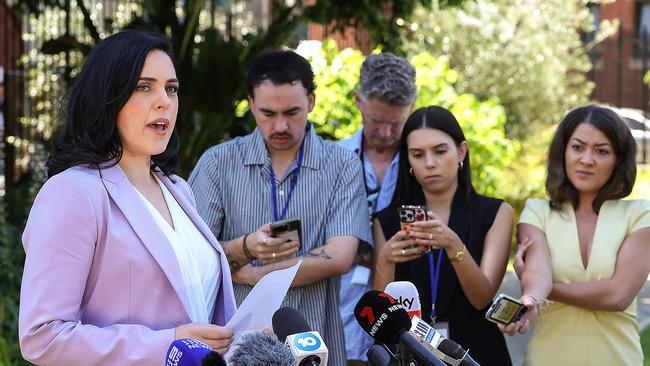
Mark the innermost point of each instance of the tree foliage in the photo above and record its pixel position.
(336, 74)
(212, 61)
(527, 53)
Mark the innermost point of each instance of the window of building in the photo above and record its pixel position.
(643, 17)
(643, 28)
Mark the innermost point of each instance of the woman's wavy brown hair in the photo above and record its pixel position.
(620, 183)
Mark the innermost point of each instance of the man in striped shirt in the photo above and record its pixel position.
(283, 169)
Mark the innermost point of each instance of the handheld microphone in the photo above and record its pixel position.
(446, 349)
(407, 295)
(261, 349)
(386, 321)
(307, 347)
(190, 352)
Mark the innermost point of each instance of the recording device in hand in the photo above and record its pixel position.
(406, 295)
(190, 352)
(505, 310)
(386, 321)
(289, 229)
(261, 349)
(306, 346)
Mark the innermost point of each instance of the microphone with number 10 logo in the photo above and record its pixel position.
(305, 345)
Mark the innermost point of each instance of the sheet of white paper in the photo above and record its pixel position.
(257, 309)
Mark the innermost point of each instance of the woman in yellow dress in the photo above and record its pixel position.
(585, 248)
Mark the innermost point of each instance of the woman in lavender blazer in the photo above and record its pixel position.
(118, 262)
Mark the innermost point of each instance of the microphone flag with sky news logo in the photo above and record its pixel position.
(407, 295)
(381, 316)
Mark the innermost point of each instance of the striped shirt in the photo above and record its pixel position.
(232, 185)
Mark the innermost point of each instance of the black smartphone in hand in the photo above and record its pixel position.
(289, 229)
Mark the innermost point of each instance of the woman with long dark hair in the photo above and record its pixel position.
(118, 262)
(456, 257)
(588, 248)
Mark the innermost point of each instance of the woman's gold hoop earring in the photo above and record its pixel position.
(460, 165)
(411, 171)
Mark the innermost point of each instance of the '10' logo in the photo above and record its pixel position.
(307, 341)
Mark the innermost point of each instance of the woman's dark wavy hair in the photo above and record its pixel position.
(109, 76)
(621, 182)
(407, 190)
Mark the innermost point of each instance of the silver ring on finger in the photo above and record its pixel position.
(403, 251)
(430, 236)
(273, 255)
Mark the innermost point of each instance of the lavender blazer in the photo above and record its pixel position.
(101, 284)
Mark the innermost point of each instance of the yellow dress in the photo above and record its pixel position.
(569, 335)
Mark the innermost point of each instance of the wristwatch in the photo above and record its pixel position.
(460, 255)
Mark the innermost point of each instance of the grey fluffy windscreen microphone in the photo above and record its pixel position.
(261, 349)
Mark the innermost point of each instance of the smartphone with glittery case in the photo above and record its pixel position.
(409, 215)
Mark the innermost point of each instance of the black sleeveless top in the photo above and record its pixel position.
(470, 219)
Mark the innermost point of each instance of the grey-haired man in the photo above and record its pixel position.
(385, 98)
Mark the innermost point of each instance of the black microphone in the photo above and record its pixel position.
(380, 356)
(386, 321)
(306, 346)
(213, 359)
(261, 349)
(190, 352)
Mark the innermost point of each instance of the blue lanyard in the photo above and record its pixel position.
(292, 184)
(434, 273)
